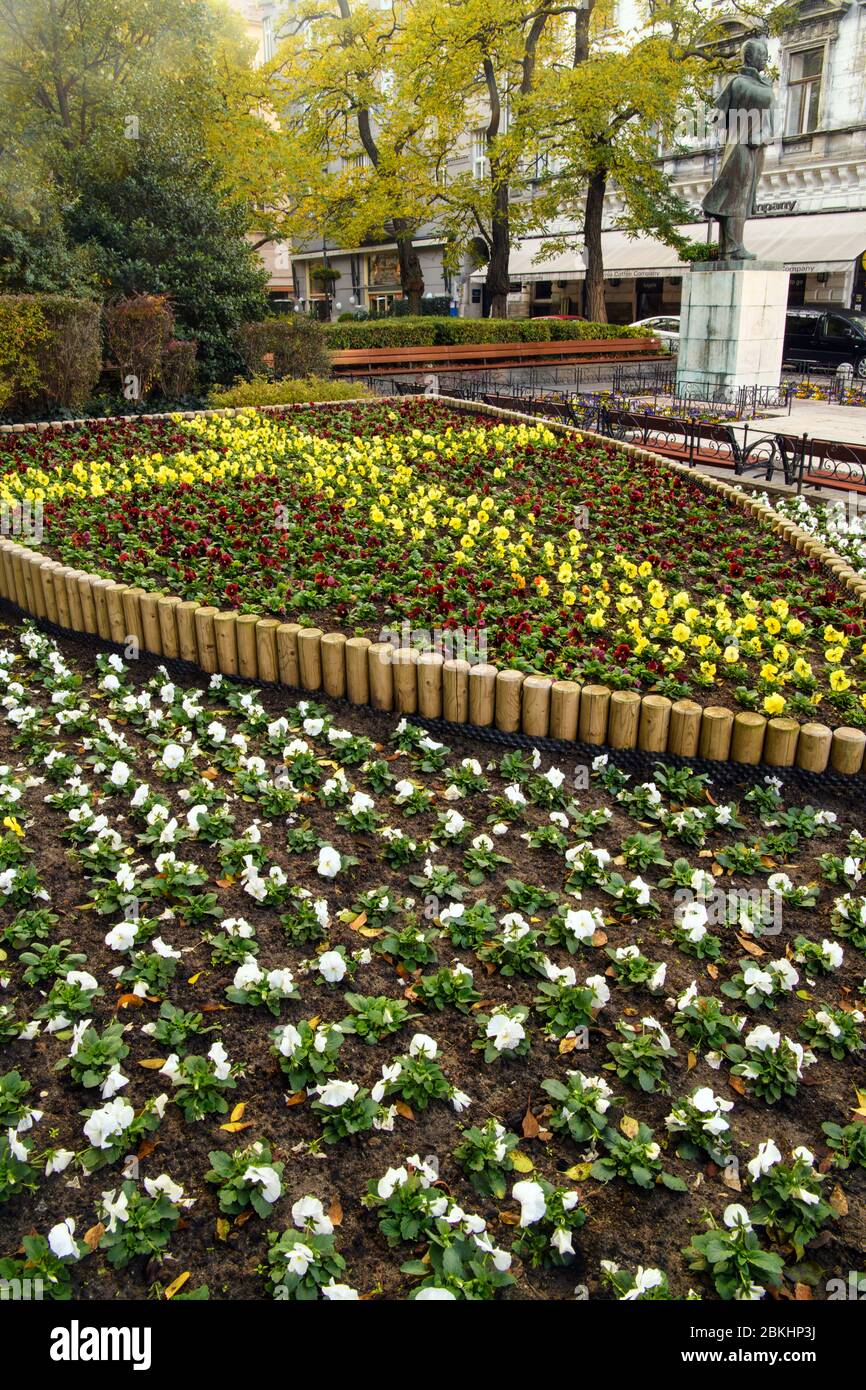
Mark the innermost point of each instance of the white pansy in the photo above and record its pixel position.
(329, 862)
(532, 1201)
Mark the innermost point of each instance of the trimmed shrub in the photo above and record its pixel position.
(70, 357)
(22, 332)
(432, 332)
(177, 368)
(565, 330)
(293, 346)
(136, 331)
(399, 332)
(296, 391)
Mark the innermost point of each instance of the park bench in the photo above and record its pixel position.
(823, 462)
(376, 361)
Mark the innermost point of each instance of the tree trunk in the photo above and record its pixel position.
(411, 275)
(500, 249)
(594, 306)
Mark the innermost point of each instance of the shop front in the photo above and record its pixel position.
(825, 253)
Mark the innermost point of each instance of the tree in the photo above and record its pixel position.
(165, 225)
(623, 98)
(482, 61)
(360, 149)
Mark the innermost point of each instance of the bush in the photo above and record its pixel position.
(22, 331)
(394, 332)
(70, 357)
(430, 332)
(50, 353)
(136, 331)
(292, 346)
(262, 391)
(177, 369)
(563, 330)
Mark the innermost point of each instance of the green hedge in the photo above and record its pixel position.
(430, 332)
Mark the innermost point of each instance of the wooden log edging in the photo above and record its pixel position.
(376, 674)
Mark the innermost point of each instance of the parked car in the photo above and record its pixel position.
(666, 328)
(829, 338)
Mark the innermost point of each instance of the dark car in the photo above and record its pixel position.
(827, 338)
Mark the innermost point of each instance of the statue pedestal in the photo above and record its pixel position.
(732, 327)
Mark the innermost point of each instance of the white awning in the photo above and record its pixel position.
(823, 241)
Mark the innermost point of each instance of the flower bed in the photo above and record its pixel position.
(314, 1011)
(573, 557)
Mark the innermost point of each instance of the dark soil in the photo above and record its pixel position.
(624, 1224)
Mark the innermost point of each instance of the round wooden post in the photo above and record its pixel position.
(205, 637)
(717, 725)
(6, 589)
(33, 582)
(100, 599)
(165, 606)
(430, 684)
(287, 654)
(116, 617)
(482, 695)
(61, 597)
(310, 657)
(564, 710)
(357, 672)
(73, 599)
(455, 690)
(381, 675)
(747, 741)
(226, 634)
(28, 570)
(88, 605)
(334, 664)
(18, 577)
(404, 663)
(46, 589)
(846, 753)
(780, 742)
(187, 631)
(536, 706)
(623, 719)
(132, 615)
(248, 664)
(509, 685)
(266, 650)
(594, 705)
(685, 728)
(48, 595)
(655, 721)
(149, 608)
(813, 747)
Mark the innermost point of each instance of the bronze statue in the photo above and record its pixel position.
(745, 105)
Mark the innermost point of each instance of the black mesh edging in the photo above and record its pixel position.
(632, 760)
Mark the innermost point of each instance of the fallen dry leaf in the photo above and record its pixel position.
(176, 1285)
(94, 1235)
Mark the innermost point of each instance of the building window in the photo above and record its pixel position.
(479, 154)
(361, 161)
(268, 42)
(804, 91)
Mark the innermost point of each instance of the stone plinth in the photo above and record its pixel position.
(732, 327)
